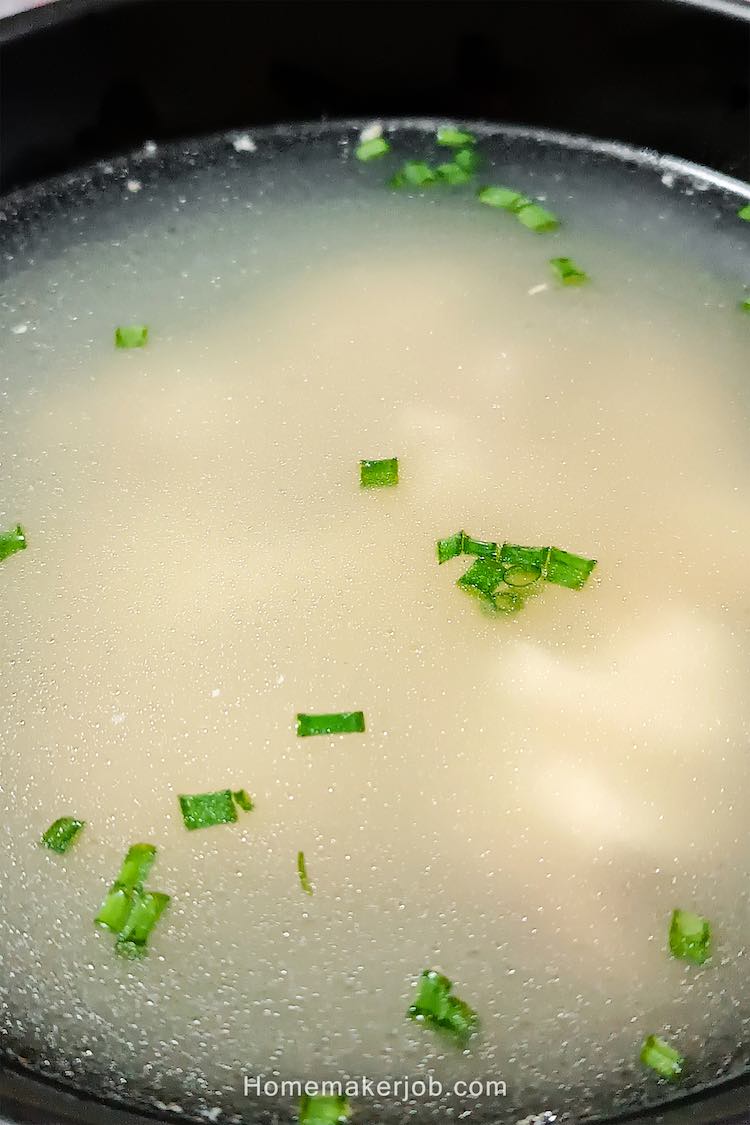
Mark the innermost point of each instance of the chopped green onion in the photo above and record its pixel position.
(343, 722)
(372, 149)
(690, 937)
(119, 901)
(414, 173)
(509, 601)
(243, 799)
(568, 271)
(131, 336)
(744, 213)
(62, 833)
(302, 872)
(503, 197)
(521, 575)
(379, 474)
(12, 541)
(204, 810)
(659, 1056)
(482, 579)
(135, 867)
(436, 1007)
(511, 554)
(566, 569)
(323, 1109)
(467, 159)
(452, 174)
(537, 218)
(454, 138)
(479, 548)
(147, 908)
(744, 305)
(451, 547)
(115, 910)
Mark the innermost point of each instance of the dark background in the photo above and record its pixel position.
(653, 72)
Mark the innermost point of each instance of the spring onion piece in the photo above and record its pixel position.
(135, 867)
(414, 173)
(62, 833)
(451, 547)
(379, 474)
(117, 905)
(744, 213)
(302, 872)
(744, 305)
(509, 601)
(468, 159)
(243, 799)
(690, 937)
(537, 218)
(204, 810)
(323, 1109)
(372, 149)
(148, 906)
(343, 722)
(454, 138)
(503, 197)
(479, 548)
(12, 541)
(511, 554)
(565, 569)
(131, 336)
(659, 1056)
(568, 271)
(453, 174)
(482, 579)
(521, 575)
(435, 1006)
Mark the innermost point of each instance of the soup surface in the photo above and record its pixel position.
(533, 794)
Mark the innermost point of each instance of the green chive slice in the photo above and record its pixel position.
(302, 872)
(568, 271)
(133, 873)
(12, 541)
(537, 218)
(512, 554)
(243, 799)
(508, 601)
(744, 305)
(451, 547)
(323, 1109)
(62, 833)
(414, 173)
(454, 138)
(453, 174)
(657, 1054)
(744, 213)
(115, 910)
(690, 937)
(435, 1006)
(480, 548)
(521, 575)
(342, 722)
(482, 579)
(467, 159)
(379, 474)
(131, 336)
(204, 810)
(147, 908)
(566, 569)
(372, 149)
(502, 197)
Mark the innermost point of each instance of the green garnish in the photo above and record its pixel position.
(12, 541)
(131, 336)
(379, 474)
(435, 1006)
(323, 1109)
(343, 722)
(537, 218)
(204, 810)
(372, 149)
(147, 908)
(414, 173)
(483, 578)
(454, 138)
(479, 548)
(62, 833)
(568, 271)
(451, 547)
(744, 213)
(511, 554)
(521, 575)
(659, 1056)
(566, 569)
(509, 601)
(745, 304)
(453, 174)
(690, 937)
(503, 197)
(302, 872)
(135, 867)
(467, 159)
(243, 799)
